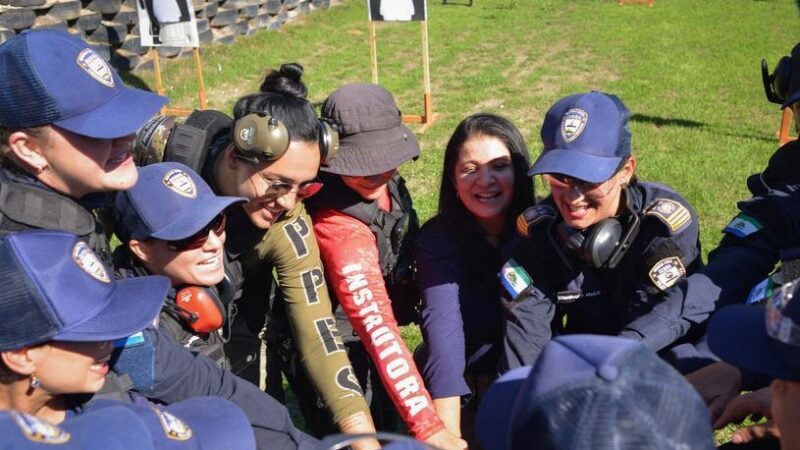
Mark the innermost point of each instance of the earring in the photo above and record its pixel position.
(35, 381)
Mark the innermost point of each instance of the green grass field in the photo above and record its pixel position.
(687, 69)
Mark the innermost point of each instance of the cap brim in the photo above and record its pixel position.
(119, 117)
(738, 335)
(493, 422)
(133, 305)
(374, 152)
(580, 165)
(194, 219)
(215, 422)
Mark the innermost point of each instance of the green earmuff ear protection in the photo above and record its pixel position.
(328, 139)
(260, 137)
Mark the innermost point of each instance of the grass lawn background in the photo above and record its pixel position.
(687, 69)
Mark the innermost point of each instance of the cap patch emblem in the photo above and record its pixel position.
(87, 260)
(173, 427)
(37, 430)
(180, 183)
(95, 66)
(667, 272)
(572, 124)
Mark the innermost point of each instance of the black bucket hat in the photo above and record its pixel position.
(372, 137)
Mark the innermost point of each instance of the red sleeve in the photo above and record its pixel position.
(350, 256)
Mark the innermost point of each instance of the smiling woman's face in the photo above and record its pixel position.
(72, 367)
(484, 180)
(583, 204)
(299, 165)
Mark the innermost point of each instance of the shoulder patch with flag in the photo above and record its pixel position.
(743, 226)
(674, 215)
(514, 278)
(762, 291)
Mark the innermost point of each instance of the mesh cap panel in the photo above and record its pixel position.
(25, 318)
(24, 101)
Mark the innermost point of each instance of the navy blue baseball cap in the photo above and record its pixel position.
(169, 201)
(585, 136)
(597, 392)
(56, 288)
(114, 428)
(52, 77)
(206, 423)
(761, 338)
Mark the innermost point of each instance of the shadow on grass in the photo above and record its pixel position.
(686, 123)
(666, 122)
(462, 3)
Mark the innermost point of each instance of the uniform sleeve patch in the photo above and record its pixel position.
(674, 215)
(514, 278)
(533, 216)
(666, 272)
(743, 225)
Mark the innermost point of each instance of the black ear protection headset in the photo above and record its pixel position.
(605, 243)
(777, 85)
(258, 137)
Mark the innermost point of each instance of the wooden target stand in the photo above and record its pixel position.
(201, 87)
(786, 124)
(429, 116)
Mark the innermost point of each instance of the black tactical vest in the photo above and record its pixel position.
(28, 207)
(395, 232)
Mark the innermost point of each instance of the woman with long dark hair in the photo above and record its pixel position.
(458, 255)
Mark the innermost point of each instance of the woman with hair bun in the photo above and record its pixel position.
(271, 159)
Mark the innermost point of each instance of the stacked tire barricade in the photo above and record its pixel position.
(111, 26)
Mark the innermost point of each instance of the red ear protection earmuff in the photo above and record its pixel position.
(200, 308)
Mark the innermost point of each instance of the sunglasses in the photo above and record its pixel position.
(199, 239)
(593, 191)
(276, 189)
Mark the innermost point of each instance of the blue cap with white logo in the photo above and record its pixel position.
(115, 428)
(585, 136)
(52, 77)
(56, 288)
(205, 423)
(169, 201)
